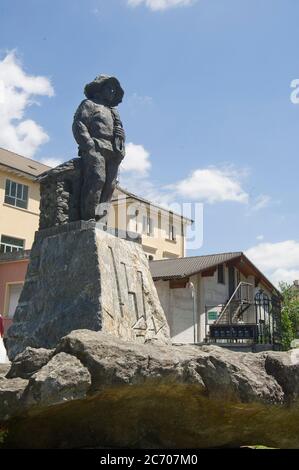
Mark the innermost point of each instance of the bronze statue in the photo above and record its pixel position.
(99, 133)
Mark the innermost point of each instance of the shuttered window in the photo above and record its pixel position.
(16, 194)
(147, 225)
(10, 244)
(172, 232)
(220, 274)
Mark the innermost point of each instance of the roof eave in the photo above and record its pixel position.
(138, 198)
(260, 275)
(16, 171)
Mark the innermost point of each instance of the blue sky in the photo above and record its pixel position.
(207, 109)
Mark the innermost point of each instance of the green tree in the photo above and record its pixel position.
(290, 314)
(287, 334)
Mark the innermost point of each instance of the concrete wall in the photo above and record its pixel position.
(181, 308)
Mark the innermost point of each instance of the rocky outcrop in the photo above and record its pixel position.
(98, 390)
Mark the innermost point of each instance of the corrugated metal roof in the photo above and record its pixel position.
(183, 267)
(22, 164)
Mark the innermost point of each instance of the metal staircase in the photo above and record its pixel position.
(239, 302)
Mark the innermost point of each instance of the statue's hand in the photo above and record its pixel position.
(119, 147)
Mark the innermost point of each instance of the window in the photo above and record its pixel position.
(172, 233)
(220, 274)
(147, 225)
(150, 257)
(16, 194)
(10, 244)
(14, 292)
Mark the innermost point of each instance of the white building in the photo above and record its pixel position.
(219, 298)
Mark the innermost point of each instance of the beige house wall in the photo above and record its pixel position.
(17, 222)
(128, 215)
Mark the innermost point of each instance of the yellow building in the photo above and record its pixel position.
(163, 232)
(19, 201)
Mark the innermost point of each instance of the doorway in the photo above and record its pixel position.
(182, 316)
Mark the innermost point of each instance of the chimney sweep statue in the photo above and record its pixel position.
(99, 133)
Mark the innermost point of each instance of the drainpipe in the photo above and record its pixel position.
(190, 285)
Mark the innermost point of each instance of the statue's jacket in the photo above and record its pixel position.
(96, 121)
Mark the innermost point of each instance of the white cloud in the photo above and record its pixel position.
(260, 237)
(212, 185)
(203, 185)
(18, 89)
(285, 275)
(52, 162)
(156, 5)
(136, 160)
(280, 261)
(275, 255)
(134, 176)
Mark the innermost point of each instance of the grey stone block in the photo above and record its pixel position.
(85, 279)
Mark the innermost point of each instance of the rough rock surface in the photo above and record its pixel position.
(4, 368)
(11, 392)
(101, 391)
(28, 362)
(284, 368)
(85, 278)
(63, 379)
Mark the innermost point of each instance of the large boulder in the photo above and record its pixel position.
(28, 362)
(63, 379)
(11, 392)
(283, 366)
(100, 391)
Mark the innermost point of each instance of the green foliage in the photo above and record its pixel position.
(290, 314)
(3, 435)
(287, 334)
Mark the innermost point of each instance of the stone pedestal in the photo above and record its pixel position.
(81, 277)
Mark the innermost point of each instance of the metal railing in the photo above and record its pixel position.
(241, 297)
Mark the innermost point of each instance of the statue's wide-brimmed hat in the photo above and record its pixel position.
(95, 87)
